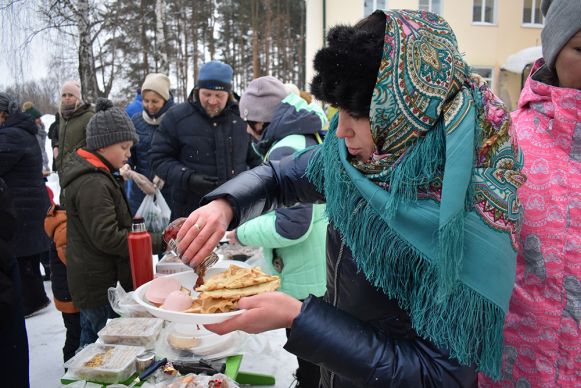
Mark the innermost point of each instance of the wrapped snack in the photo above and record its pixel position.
(132, 331)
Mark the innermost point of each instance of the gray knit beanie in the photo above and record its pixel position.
(8, 103)
(562, 21)
(109, 125)
(261, 98)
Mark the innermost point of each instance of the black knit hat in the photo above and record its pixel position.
(347, 68)
(109, 125)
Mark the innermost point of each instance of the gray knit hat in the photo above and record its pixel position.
(261, 98)
(8, 103)
(109, 125)
(562, 21)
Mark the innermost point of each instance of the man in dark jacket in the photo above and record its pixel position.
(202, 142)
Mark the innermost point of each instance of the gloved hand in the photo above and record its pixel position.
(202, 183)
(158, 182)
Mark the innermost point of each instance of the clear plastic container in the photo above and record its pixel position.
(132, 331)
(102, 363)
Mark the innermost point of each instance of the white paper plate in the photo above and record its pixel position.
(187, 280)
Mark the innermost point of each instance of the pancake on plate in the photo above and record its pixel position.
(220, 293)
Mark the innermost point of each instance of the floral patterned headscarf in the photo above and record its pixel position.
(437, 199)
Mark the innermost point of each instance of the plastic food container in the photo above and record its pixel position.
(132, 331)
(101, 363)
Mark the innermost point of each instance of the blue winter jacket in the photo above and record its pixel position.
(134, 106)
(140, 159)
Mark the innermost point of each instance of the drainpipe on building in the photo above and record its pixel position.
(324, 23)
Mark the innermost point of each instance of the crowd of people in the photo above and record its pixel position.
(425, 237)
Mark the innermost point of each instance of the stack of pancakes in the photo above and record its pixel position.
(220, 293)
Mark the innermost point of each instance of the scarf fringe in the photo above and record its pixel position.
(417, 168)
(469, 326)
(451, 245)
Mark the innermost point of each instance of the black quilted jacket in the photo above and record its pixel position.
(359, 336)
(189, 142)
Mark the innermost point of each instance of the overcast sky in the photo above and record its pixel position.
(19, 61)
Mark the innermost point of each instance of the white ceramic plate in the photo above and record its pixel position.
(187, 280)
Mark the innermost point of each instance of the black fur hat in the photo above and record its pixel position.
(347, 68)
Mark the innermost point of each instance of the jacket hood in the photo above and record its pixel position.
(556, 105)
(22, 121)
(292, 117)
(76, 165)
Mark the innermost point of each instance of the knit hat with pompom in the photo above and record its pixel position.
(109, 125)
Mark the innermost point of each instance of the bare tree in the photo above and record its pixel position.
(160, 40)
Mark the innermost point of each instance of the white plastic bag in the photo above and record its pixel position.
(124, 304)
(155, 211)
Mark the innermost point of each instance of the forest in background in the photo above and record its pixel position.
(111, 45)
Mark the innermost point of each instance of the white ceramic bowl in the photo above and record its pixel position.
(187, 280)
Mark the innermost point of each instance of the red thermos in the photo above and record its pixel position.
(140, 255)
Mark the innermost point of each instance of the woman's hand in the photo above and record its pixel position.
(203, 230)
(268, 311)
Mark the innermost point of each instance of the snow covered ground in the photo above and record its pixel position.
(46, 336)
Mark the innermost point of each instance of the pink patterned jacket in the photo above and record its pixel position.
(542, 342)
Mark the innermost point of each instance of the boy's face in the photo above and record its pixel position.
(117, 154)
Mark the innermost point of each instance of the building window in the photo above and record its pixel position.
(484, 11)
(434, 6)
(487, 73)
(531, 13)
(371, 5)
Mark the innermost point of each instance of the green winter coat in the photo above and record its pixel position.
(293, 239)
(72, 133)
(98, 222)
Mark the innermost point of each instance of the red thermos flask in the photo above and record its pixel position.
(140, 255)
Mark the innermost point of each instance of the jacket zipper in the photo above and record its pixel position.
(336, 275)
(335, 297)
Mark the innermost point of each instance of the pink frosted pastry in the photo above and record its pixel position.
(160, 288)
(177, 301)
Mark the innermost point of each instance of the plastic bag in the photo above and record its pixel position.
(124, 304)
(155, 211)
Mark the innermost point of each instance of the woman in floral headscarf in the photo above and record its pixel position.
(419, 175)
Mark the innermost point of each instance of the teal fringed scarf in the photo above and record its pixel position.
(436, 205)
